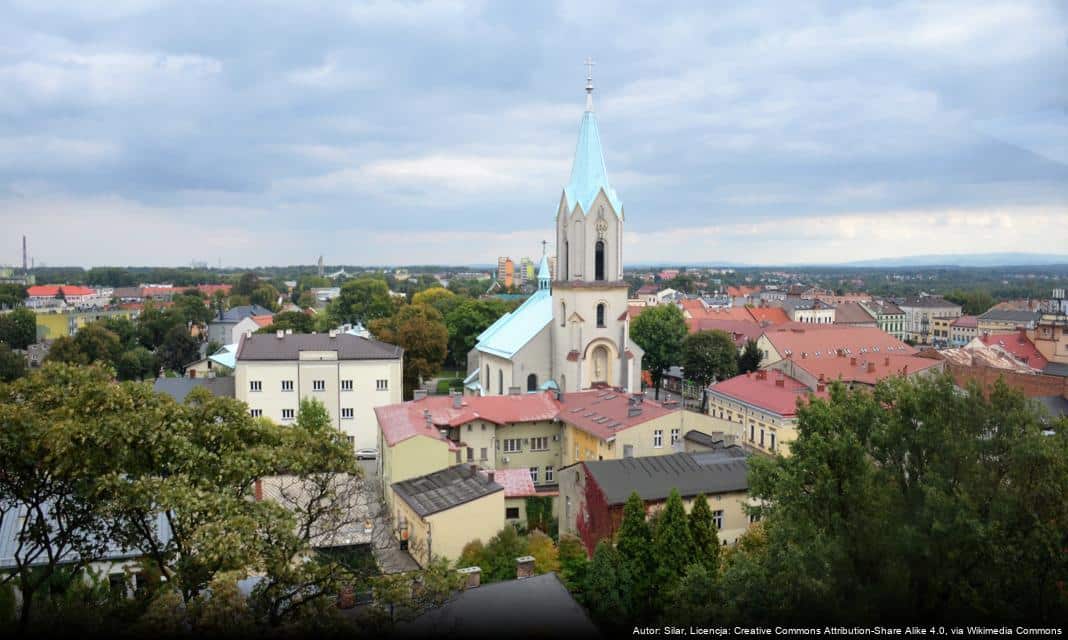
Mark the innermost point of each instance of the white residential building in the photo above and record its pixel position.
(349, 374)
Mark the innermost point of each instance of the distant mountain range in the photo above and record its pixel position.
(965, 260)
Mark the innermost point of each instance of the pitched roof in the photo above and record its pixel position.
(263, 321)
(868, 368)
(588, 173)
(1011, 315)
(1019, 345)
(759, 389)
(52, 290)
(966, 322)
(237, 314)
(654, 477)
(977, 354)
(739, 330)
(928, 302)
(445, 489)
(769, 315)
(179, 388)
(268, 346)
(852, 313)
(516, 482)
(821, 340)
(512, 331)
(604, 413)
(404, 420)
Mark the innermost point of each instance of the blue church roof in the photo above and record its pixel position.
(513, 330)
(588, 173)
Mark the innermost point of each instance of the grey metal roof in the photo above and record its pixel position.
(653, 477)
(538, 606)
(1011, 315)
(237, 314)
(179, 388)
(1056, 369)
(268, 346)
(1056, 405)
(928, 302)
(445, 489)
(9, 542)
(704, 439)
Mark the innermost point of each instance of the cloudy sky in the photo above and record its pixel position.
(145, 132)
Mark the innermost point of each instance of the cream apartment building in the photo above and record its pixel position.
(350, 375)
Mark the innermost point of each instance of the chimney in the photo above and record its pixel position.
(821, 377)
(804, 354)
(472, 577)
(289, 332)
(871, 367)
(474, 469)
(514, 391)
(524, 567)
(419, 394)
(429, 420)
(280, 333)
(886, 361)
(333, 333)
(780, 378)
(853, 361)
(820, 387)
(634, 410)
(257, 490)
(457, 400)
(491, 475)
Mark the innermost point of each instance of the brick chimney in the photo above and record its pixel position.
(457, 400)
(472, 577)
(257, 490)
(886, 361)
(419, 394)
(871, 367)
(780, 379)
(853, 361)
(491, 475)
(524, 567)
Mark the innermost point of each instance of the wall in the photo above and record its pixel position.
(445, 533)
(416, 456)
(1032, 386)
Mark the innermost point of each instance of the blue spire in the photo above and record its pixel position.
(588, 173)
(543, 273)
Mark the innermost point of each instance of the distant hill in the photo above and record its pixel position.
(965, 260)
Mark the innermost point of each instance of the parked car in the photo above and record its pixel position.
(369, 453)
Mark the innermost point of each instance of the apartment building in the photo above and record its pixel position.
(349, 374)
(1001, 320)
(920, 314)
(888, 317)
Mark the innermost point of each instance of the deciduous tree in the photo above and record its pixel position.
(659, 331)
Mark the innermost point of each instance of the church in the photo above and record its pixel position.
(573, 333)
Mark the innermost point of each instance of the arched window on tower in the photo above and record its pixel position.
(563, 313)
(567, 260)
(532, 382)
(598, 258)
(500, 382)
(600, 315)
(487, 379)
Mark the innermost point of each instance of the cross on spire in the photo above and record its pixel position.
(589, 83)
(544, 247)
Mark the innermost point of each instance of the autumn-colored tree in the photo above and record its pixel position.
(420, 331)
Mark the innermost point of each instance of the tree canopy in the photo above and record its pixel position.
(708, 356)
(659, 331)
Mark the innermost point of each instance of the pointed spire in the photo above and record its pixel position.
(543, 267)
(588, 173)
(589, 84)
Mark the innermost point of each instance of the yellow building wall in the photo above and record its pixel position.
(444, 534)
(411, 458)
(54, 325)
(735, 519)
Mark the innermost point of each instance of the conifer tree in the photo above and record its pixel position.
(607, 588)
(634, 541)
(703, 532)
(673, 547)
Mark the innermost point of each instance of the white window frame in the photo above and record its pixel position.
(255, 413)
(658, 439)
(534, 475)
(288, 414)
(674, 436)
(318, 385)
(255, 385)
(513, 445)
(382, 384)
(549, 473)
(717, 518)
(287, 385)
(348, 413)
(346, 385)
(535, 442)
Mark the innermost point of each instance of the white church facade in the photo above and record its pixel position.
(573, 333)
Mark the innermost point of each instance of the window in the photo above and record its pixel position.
(470, 454)
(255, 413)
(674, 436)
(347, 413)
(752, 432)
(482, 454)
(346, 385)
(533, 474)
(717, 518)
(382, 385)
(598, 260)
(539, 444)
(658, 438)
(487, 379)
(513, 445)
(318, 385)
(500, 382)
(762, 437)
(549, 473)
(628, 451)
(287, 385)
(117, 584)
(255, 385)
(772, 441)
(754, 517)
(532, 382)
(600, 314)
(511, 513)
(352, 440)
(287, 414)
(563, 313)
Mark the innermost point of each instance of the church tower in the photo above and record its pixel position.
(590, 329)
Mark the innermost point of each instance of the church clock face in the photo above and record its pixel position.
(602, 224)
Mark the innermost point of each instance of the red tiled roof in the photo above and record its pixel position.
(966, 322)
(827, 339)
(51, 290)
(516, 482)
(210, 289)
(406, 420)
(604, 413)
(742, 291)
(769, 315)
(739, 330)
(263, 321)
(1019, 345)
(648, 289)
(760, 390)
(866, 369)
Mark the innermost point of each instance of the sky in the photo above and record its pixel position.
(143, 132)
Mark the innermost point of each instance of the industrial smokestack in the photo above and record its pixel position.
(24, 263)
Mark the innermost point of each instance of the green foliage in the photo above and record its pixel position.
(673, 547)
(296, 321)
(607, 586)
(573, 561)
(704, 534)
(749, 359)
(18, 329)
(420, 331)
(541, 547)
(539, 513)
(708, 356)
(136, 364)
(12, 364)
(634, 541)
(465, 320)
(178, 349)
(660, 331)
(497, 557)
(362, 300)
(12, 295)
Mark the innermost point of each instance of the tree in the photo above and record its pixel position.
(12, 365)
(750, 358)
(296, 321)
(500, 553)
(607, 589)
(154, 323)
(673, 547)
(659, 331)
(546, 556)
(573, 561)
(265, 295)
(634, 541)
(18, 329)
(438, 297)
(178, 349)
(136, 364)
(65, 350)
(704, 534)
(465, 321)
(708, 356)
(246, 284)
(12, 295)
(97, 344)
(420, 331)
(362, 300)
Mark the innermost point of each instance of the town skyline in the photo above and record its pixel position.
(765, 139)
